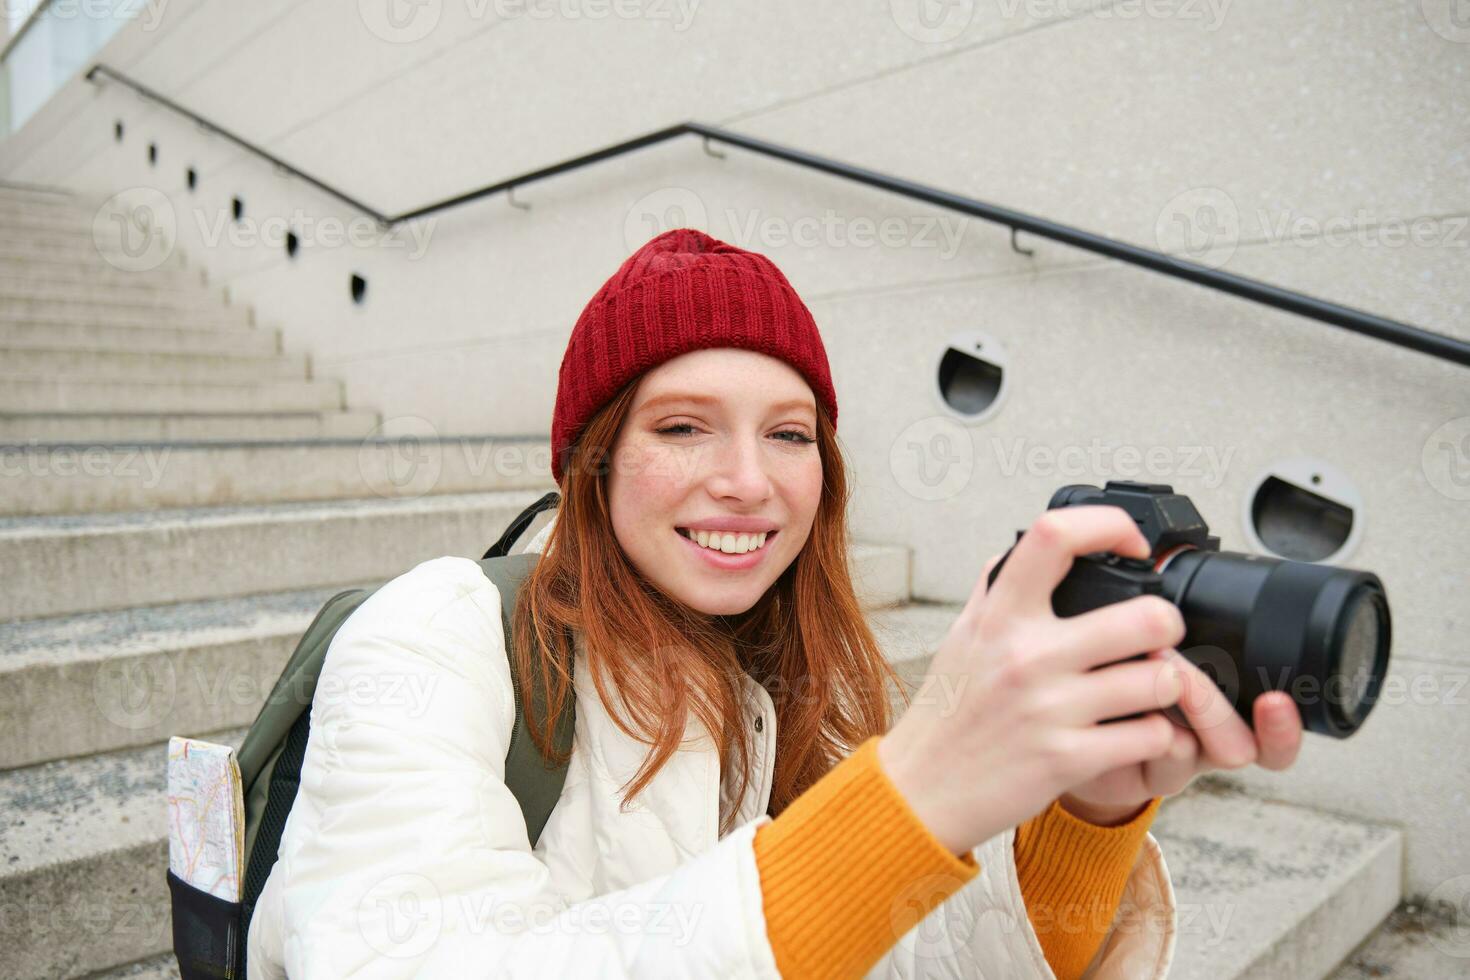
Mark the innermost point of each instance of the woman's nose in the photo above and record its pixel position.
(738, 469)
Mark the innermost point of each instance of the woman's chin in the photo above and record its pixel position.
(727, 602)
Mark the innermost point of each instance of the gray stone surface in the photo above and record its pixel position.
(83, 855)
(1269, 890)
(85, 563)
(1413, 943)
(66, 479)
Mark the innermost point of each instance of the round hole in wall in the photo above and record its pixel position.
(191, 178)
(237, 208)
(292, 244)
(1304, 509)
(153, 153)
(117, 131)
(970, 377)
(359, 288)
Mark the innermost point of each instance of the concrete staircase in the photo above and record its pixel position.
(181, 495)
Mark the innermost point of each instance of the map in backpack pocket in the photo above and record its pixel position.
(206, 816)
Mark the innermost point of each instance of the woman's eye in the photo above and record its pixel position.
(790, 435)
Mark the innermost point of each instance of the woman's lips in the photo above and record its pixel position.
(718, 559)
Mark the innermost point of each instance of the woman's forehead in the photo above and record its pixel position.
(725, 375)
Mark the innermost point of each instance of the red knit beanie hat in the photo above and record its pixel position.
(681, 291)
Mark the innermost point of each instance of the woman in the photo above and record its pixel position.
(737, 803)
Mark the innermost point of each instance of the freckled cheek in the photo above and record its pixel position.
(803, 484)
(662, 469)
(651, 473)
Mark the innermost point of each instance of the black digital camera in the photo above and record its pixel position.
(1252, 624)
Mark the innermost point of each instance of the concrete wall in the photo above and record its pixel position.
(1319, 146)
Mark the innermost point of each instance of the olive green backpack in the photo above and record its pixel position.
(209, 933)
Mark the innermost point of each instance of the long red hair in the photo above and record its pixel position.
(805, 640)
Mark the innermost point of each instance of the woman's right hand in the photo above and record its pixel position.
(1006, 719)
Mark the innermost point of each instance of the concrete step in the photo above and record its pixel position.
(122, 679)
(1272, 891)
(83, 858)
(33, 335)
(134, 676)
(1264, 890)
(881, 574)
(100, 429)
(164, 966)
(34, 194)
(66, 251)
(64, 479)
(66, 240)
(60, 565)
(63, 228)
(203, 315)
(197, 297)
(153, 366)
(97, 272)
(1414, 942)
(22, 218)
(19, 260)
(88, 396)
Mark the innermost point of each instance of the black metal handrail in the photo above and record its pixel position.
(1335, 314)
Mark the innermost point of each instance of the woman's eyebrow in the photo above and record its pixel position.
(694, 398)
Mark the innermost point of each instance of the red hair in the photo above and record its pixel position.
(805, 640)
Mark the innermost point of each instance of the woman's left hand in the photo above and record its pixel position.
(1218, 738)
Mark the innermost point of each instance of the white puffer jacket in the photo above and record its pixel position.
(406, 856)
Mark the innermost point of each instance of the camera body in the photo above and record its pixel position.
(1169, 522)
(1252, 623)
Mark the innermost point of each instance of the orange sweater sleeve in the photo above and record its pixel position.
(847, 869)
(1072, 873)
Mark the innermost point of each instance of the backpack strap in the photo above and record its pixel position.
(522, 521)
(536, 785)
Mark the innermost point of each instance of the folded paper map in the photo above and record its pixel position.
(206, 816)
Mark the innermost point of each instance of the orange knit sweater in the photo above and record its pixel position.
(848, 868)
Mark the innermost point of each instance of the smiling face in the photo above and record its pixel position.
(717, 447)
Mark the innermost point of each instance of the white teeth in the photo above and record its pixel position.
(730, 544)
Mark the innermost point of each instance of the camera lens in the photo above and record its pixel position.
(1319, 633)
(1362, 646)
